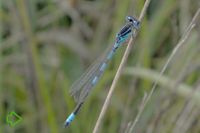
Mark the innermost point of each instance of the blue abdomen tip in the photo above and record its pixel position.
(69, 119)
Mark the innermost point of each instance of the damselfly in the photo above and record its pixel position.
(81, 88)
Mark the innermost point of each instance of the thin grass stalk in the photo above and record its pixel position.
(182, 89)
(38, 70)
(1, 105)
(140, 108)
(181, 42)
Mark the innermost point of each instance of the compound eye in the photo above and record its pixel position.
(136, 23)
(128, 18)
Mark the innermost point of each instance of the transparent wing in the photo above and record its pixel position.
(78, 84)
(82, 86)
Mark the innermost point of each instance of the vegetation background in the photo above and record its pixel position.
(47, 44)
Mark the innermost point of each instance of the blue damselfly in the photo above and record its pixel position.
(81, 88)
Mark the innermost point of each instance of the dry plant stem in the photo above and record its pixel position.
(140, 111)
(119, 71)
(185, 113)
(182, 89)
(181, 42)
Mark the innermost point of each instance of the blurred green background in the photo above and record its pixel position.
(47, 44)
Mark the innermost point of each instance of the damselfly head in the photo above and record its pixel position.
(134, 21)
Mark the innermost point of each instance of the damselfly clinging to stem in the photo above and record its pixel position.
(81, 88)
